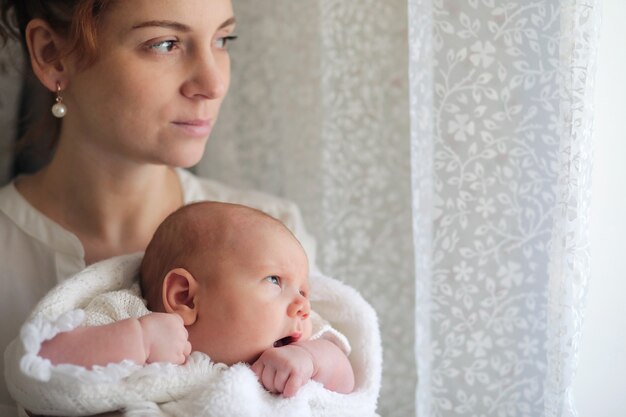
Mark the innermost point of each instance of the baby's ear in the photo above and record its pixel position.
(180, 289)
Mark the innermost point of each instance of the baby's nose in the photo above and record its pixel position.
(300, 307)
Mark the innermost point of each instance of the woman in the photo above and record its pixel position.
(138, 87)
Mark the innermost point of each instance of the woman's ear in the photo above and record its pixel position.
(47, 54)
(180, 290)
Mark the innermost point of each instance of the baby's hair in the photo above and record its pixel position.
(198, 229)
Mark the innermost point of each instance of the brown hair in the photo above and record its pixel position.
(75, 19)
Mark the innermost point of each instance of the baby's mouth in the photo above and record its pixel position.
(292, 338)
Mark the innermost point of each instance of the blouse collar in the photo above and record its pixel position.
(47, 231)
(38, 225)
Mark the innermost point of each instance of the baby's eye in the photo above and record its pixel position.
(221, 43)
(303, 293)
(273, 279)
(164, 47)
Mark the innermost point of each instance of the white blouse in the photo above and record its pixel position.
(36, 253)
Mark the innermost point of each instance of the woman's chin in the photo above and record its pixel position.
(185, 158)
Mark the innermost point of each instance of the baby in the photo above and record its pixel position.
(226, 280)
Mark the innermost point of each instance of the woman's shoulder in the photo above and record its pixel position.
(21, 218)
(8, 196)
(13, 209)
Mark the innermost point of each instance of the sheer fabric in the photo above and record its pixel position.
(511, 135)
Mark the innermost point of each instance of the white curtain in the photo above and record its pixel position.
(440, 151)
(511, 130)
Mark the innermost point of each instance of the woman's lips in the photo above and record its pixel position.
(196, 128)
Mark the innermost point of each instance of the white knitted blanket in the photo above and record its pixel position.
(197, 388)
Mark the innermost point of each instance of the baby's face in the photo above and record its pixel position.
(254, 297)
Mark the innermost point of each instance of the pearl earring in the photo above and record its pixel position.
(59, 109)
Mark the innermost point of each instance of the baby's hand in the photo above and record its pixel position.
(164, 338)
(284, 369)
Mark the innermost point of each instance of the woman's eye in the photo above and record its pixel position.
(164, 47)
(273, 279)
(223, 41)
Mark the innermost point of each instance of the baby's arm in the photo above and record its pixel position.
(156, 337)
(332, 367)
(285, 369)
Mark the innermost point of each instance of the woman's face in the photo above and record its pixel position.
(154, 92)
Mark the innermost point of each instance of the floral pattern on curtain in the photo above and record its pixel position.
(511, 132)
(570, 263)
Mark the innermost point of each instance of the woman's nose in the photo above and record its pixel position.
(208, 77)
(299, 307)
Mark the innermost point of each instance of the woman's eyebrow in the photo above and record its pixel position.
(176, 25)
(228, 22)
(164, 24)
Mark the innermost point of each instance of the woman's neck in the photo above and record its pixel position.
(113, 207)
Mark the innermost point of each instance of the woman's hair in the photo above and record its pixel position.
(77, 21)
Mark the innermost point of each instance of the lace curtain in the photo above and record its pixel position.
(440, 153)
(510, 138)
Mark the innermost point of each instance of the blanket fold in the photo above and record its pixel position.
(197, 388)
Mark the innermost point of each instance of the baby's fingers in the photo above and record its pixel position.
(182, 357)
(292, 386)
(280, 380)
(267, 379)
(257, 368)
